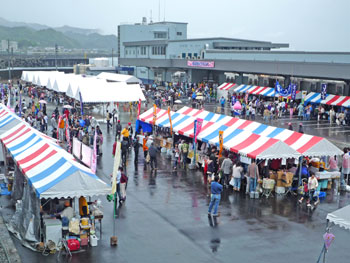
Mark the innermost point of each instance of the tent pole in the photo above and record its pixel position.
(300, 167)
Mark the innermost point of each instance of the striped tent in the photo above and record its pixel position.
(307, 145)
(334, 100)
(226, 86)
(260, 90)
(49, 169)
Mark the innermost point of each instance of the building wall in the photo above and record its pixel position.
(146, 32)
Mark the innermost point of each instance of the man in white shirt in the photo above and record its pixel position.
(312, 185)
(68, 211)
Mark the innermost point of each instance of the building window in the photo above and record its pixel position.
(183, 55)
(159, 50)
(179, 33)
(159, 35)
(143, 50)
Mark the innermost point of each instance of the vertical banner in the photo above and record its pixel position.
(303, 96)
(195, 131)
(221, 141)
(115, 167)
(199, 128)
(154, 114)
(8, 97)
(20, 103)
(94, 155)
(68, 137)
(58, 125)
(139, 109)
(171, 124)
(294, 91)
(324, 91)
(81, 104)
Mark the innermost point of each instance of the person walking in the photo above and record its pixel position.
(301, 130)
(136, 146)
(153, 156)
(118, 130)
(312, 186)
(216, 189)
(226, 168)
(125, 148)
(290, 126)
(123, 185)
(345, 171)
(108, 118)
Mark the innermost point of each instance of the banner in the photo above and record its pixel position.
(281, 91)
(139, 109)
(199, 128)
(324, 91)
(20, 103)
(221, 141)
(116, 167)
(171, 124)
(201, 64)
(303, 96)
(76, 148)
(294, 91)
(154, 114)
(94, 154)
(8, 98)
(195, 131)
(68, 137)
(81, 104)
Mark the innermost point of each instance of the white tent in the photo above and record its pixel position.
(86, 86)
(45, 76)
(110, 92)
(340, 217)
(114, 77)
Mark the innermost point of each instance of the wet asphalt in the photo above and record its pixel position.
(165, 219)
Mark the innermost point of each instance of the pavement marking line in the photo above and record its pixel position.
(330, 128)
(339, 132)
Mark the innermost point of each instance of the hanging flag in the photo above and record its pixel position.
(81, 104)
(94, 154)
(8, 98)
(294, 91)
(221, 141)
(2, 94)
(154, 114)
(171, 124)
(324, 91)
(139, 109)
(116, 167)
(281, 91)
(195, 132)
(68, 137)
(59, 121)
(20, 103)
(199, 128)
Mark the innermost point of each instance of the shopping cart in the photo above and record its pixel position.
(268, 185)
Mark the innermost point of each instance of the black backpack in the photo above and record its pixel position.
(125, 146)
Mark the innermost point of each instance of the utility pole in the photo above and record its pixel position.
(112, 57)
(56, 50)
(9, 57)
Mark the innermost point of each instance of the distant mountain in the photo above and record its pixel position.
(29, 34)
(82, 31)
(4, 22)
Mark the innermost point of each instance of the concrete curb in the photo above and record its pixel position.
(7, 246)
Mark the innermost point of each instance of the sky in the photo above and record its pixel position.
(310, 25)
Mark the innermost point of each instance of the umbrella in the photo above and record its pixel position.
(178, 101)
(42, 102)
(68, 107)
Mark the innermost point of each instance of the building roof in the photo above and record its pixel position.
(167, 22)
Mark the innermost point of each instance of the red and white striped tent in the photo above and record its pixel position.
(260, 90)
(305, 144)
(226, 86)
(333, 100)
(50, 170)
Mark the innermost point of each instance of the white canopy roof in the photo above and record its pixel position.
(340, 217)
(114, 77)
(110, 92)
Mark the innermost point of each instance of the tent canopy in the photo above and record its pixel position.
(340, 217)
(260, 90)
(114, 77)
(307, 145)
(49, 169)
(334, 100)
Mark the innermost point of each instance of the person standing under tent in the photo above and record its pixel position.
(216, 189)
(226, 168)
(237, 171)
(253, 175)
(312, 186)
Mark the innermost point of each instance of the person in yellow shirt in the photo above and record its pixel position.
(125, 132)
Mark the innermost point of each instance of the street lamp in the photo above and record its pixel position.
(56, 50)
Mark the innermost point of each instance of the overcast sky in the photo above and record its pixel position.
(322, 25)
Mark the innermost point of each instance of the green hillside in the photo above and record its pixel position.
(49, 37)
